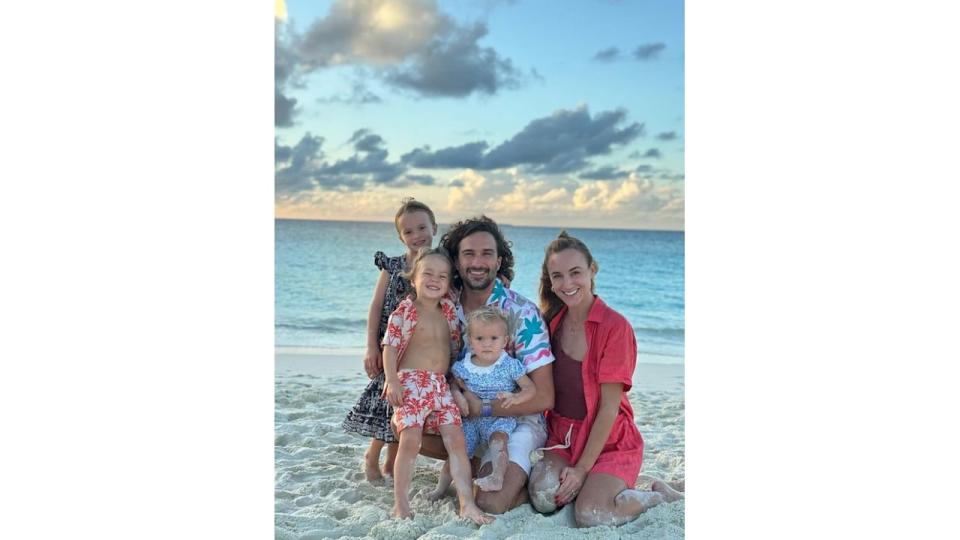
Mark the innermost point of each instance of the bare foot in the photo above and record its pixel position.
(646, 499)
(436, 494)
(494, 481)
(474, 514)
(371, 467)
(402, 511)
(669, 494)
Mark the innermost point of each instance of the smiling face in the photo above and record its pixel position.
(431, 277)
(571, 278)
(487, 340)
(477, 260)
(416, 230)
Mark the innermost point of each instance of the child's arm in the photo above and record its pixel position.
(526, 393)
(456, 389)
(460, 400)
(373, 361)
(392, 390)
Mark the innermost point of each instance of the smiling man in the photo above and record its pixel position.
(481, 254)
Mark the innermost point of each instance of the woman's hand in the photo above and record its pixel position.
(571, 480)
(373, 362)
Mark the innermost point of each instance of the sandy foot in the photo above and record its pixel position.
(474, 514)
(436, 494)
(669, 494)
(401, 512)
(494, 481)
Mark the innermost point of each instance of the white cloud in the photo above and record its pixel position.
(466, 196)
(512, 198)
(378, 32)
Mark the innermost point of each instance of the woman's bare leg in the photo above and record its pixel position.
(671, 492)
(605, 500)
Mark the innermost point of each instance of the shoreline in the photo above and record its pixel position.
(647, 376)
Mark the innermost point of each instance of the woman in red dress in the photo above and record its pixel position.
(598, 447)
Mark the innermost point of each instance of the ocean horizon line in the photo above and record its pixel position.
(500, 223)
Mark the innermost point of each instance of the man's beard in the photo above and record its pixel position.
(483, 284)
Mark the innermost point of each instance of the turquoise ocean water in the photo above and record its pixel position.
(325, 278)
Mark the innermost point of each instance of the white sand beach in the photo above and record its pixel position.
(320, 491)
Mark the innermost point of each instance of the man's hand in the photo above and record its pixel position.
(510, 398)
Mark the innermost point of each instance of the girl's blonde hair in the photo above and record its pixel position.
(487, 315)
(409, 205)
(422, 254)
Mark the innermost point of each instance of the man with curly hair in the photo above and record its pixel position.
(482, 261)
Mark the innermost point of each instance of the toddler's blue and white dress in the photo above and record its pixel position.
(486, 382)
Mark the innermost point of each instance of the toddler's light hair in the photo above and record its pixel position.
(422, 254)
(487, 315)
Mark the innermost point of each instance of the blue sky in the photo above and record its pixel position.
(533, 112)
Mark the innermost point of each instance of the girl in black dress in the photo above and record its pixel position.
(370, 417)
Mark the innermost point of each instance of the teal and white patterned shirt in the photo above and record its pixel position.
(529, 340)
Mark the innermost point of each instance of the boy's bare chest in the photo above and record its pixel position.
(430, 328)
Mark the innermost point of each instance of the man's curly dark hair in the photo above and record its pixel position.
(464, 228)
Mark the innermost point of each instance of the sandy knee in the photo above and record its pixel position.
(544, 482)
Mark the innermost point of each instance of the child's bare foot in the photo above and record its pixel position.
(436, 494)
(669, 494)
(473, 513)
(371, 466)
(494, 481)
(402, 511)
